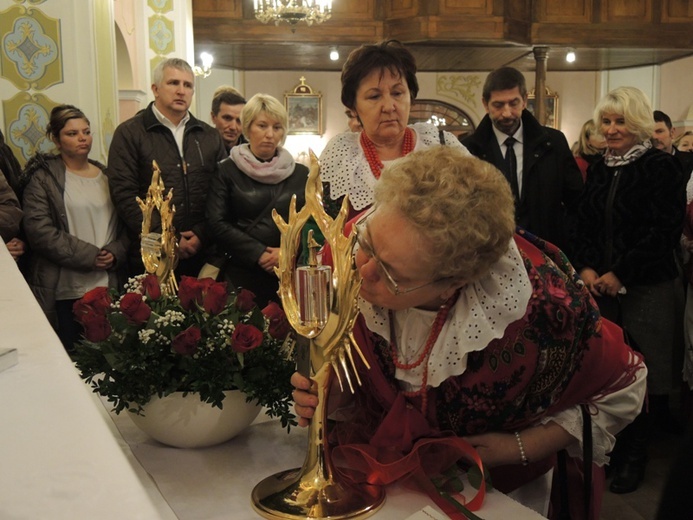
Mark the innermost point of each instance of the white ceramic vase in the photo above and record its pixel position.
(187, 422)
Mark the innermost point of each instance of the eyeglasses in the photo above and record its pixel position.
(363, 240)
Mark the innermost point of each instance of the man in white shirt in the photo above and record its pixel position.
(186, 150)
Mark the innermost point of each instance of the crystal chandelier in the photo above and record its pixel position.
(293, 11)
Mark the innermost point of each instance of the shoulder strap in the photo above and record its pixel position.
(441, 137)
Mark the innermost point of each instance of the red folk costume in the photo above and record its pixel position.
(559, 353)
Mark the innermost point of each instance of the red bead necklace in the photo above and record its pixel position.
(441, 317)
(372, 154)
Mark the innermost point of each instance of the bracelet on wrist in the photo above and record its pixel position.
(523, 455)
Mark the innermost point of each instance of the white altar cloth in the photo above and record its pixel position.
(58, 457)
(216, 483)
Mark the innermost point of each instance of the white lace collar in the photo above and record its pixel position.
(343, 163)
(481, 314)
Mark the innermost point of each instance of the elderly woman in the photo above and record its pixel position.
(378, 85)
(629, 222)
(474, 335)
(258, 177)
(77, 242)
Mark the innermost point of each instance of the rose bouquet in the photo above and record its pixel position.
(146, 343)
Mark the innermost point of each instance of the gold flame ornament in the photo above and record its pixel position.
(315, 490)
(159, 250)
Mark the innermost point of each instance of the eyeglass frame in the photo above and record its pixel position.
(364, 242)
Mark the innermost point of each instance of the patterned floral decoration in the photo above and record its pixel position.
(30, 49)
(460, 87)
(161, 35)
(161, 6)
(29, 117)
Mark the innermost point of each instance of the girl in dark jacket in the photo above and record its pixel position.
(76, 241)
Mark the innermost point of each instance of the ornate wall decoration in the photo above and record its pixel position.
(30, 56)
(155, 61)
(161, 35)
(462, 87)
(28, 116)
(161, 6)
(465, 89)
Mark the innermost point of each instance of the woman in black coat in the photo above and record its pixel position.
(630, 219)
(258, 177)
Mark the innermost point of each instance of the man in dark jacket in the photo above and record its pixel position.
(227, 104)
(663, 138)
(546, 180)
(186, 150)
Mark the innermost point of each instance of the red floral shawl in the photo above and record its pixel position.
(560, 354)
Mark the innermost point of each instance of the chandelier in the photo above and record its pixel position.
(293, 11)
(206, 69)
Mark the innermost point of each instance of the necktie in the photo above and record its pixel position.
(511, 167)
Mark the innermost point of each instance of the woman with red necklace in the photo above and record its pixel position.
(478, 338)
(378, 85)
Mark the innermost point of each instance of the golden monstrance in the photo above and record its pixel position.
(321, 304)
(159, 250)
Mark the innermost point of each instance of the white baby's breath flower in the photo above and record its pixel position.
(170, 317)
(145, 335)
(134, 284)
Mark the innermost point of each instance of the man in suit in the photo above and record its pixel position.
(537, 160)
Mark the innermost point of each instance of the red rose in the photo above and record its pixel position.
(245, 338)
(278, 324)
(215, 298)
(151, 287)
(188, 292)
(97, 299)
(192, 290)
(185, 343)
(132, 305)
(245, 300)
(96, 327)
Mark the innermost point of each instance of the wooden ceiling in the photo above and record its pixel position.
(455, 36)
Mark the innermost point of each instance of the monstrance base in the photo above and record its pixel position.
(286, 495)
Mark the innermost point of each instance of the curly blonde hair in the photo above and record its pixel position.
(634, 105)
(461, 205)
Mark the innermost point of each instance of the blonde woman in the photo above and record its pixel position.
(630, 218)
(590, 147)
(259, 176)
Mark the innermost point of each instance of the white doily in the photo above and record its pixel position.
(481, 314)
(343, 163)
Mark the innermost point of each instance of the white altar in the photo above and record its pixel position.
(63, 455)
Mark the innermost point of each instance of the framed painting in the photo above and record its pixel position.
(304, 107)
(551, 104)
